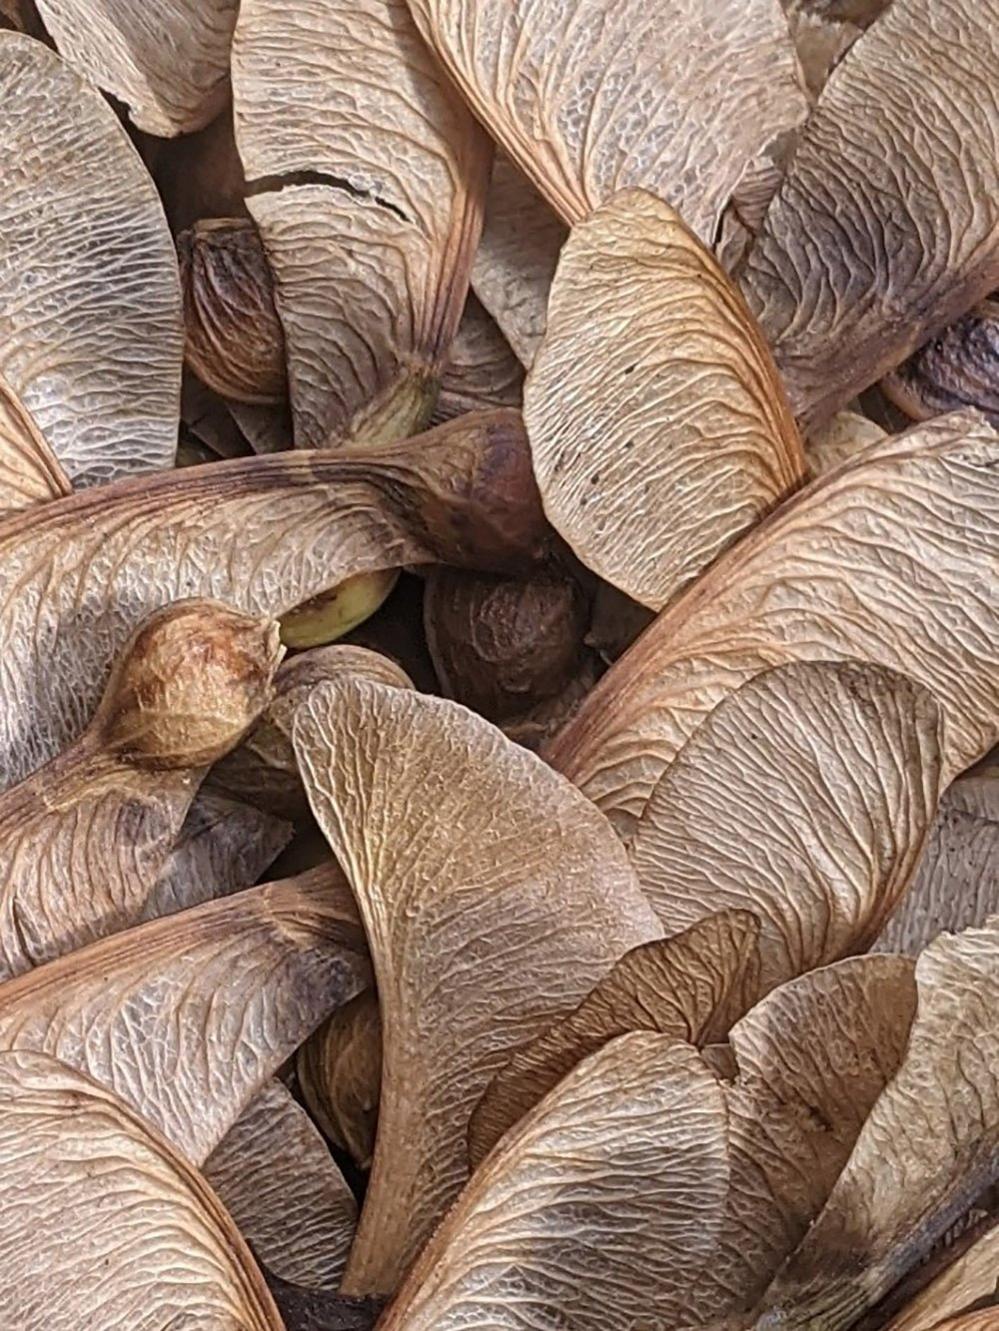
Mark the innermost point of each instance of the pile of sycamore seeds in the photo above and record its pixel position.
(499, 665)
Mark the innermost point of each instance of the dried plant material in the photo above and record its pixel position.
(615, 621)
(653, 393)
(106, 1226)
(840, 303)
(84, 839)
(957, 882)
(340, 1073)
(223, 847)
(168, 62)
(805, 797)
(482, 371)
(810, 583)
(959, 368)
(262, 534)
(201, 175)
(265, 429)
(971, 1278)
(926, 1150)
(589, 100)
(263, 770)
(517, 257)
(321, 1310)
(322, 619)
(29, 471)
(693, 987)
(374, 177)
(821, 42)
(276, 1178)
(812, 1059)
(234, 341)
(140, 1011)
(493, 896)
(841, 439)
(91, 342)
(642, 1192)
(499, 645)
(208, 419)
(535, 727)
(568, 1216)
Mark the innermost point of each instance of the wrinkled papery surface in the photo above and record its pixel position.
(222, 847)
(371, 238)
(262, 534)
(805, 797)
(83, 839)
(263, 770)
(493, 895)
(659, 428)
(959, 368)
(103, 1225)
(590, 98)
(692, 986)
(957, 881)
(641, 1191)
(811, 1060)
(841, 439)
(886, 227)
(29, 471)
(91, 337)
(140, 1011)
(517, 256)
(167, 60)
(482, 370)
(340, 1073)
(893, 560)
(971, 1277)
(603, 1206)
(278, 1181)
(928, 1147)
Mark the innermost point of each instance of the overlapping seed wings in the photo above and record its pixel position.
(29, 471)
(340, 1071)
(368, 176)
(276, 1177)
(493, 896)
(261, 534)
(588, 98)
(83, 839)
(805, 797)
(966, 1281)
(885, 227)
(167, 60)
(570, 1213)
(518, 252)
(482, 370)
(692, 986)
(141, 1011)
(643, 1191)
(959, 368)
(957, 881)
(91, 338)
(104, 1225)
(659, 427)
(893, 559)
(222, 847)
(263, 770)
(927, 1149)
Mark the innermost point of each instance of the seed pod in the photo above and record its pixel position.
(501, 645)
(193, 681)
(234, 339)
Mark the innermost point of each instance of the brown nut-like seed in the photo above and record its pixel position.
(234, 341)
(500, 645)
(192, 680)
